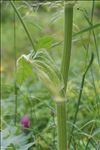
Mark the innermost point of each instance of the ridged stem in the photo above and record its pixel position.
(68, 13)
(61, 105)
(61, 125)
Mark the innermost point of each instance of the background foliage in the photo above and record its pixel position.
(45, 23)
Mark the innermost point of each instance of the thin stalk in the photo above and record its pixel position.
(97, 25)
(15, 85)
(23, 23)
(79, 98)
(61, 105)
(95, 90)
(90, 22)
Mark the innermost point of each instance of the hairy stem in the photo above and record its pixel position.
(68, 13)
(61, 106)
(61, 124)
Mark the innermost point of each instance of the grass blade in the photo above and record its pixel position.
(23, 23)
(87, 29)
(80, 94)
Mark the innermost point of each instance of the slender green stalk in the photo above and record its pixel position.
(23, 23)
(15, 55)
(80, 95)
(61, 106)
(97, 25)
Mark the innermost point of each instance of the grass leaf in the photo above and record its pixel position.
(87, 29)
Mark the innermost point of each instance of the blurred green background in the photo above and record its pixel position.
(45, 23)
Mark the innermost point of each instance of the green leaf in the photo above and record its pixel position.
(45, 42)
(27, 146)
(10, 140)
(24, 71)
(45, 69)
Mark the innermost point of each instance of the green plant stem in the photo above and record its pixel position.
(61, 125)
(61, 106)
(15, 55)
(23, 23)
(68, 13)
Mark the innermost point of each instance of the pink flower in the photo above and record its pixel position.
(25, 122)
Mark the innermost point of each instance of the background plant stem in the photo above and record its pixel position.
(79, 99)
(23, 23)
